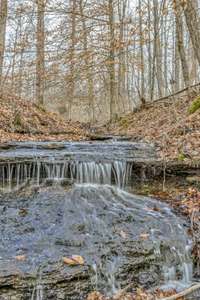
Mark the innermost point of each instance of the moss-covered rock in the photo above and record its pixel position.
(194, 106)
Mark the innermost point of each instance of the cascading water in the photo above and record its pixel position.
(16, 175)
(162, 228)
(123, 238)
(37, 293)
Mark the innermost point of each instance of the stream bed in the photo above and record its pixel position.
(59, 200)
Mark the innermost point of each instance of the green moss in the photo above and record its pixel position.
(40, 107)
(146, 190)
(194, 106)
(181, 157)
(17, 120)
(124, 123)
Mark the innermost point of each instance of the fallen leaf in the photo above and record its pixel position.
(156, 208)
(144, 236)
(69, 261)
(78, 259)
(75, 260)
(95, 296)
(20, 257)
(123, 234)
(23, 212)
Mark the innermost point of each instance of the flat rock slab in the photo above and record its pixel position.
(116, 234)
(85, 151)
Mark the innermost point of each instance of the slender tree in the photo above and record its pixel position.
(193, 24)
(40, 60)
(111, 61)
(87, 58)
(180, 43)
(3, 20)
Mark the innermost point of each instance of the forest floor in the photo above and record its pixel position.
(168, 123)
(24, 121)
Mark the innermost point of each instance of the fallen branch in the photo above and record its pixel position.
(122, 292)
(184, 293)
(173, 95)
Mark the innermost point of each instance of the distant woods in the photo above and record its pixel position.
(94, 60)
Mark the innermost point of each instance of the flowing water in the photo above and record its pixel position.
(122, 237)
(16, 175)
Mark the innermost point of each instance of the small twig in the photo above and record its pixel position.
(123, 291)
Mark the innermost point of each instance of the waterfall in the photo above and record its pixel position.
(17, 174)
(96, 211)
(183, 268)
(37, 293)
(162, 226)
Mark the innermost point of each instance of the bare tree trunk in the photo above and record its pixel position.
(87, 63)
(40, 62)
(122, 6)
(14, 58)
(71, 91)
(112, 59)
(157, 49)
(21, 67)
(149, 52)
(180, 43)
(142, 88)
(3, 19)
(165, 43)
(194, 67)
(155, 33)
(176, 62)
(192, 20)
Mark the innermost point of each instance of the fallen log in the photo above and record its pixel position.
(174, 94)
(184, 293)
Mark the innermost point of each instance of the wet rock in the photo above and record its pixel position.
(5, 146)
(62, 224)
(193, 179)
(52, 146)
(59, 283)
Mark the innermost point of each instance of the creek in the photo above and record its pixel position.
(64, 199)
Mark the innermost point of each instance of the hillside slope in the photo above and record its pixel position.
(168, 124)
(22, 120)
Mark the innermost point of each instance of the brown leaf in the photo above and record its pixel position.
(144, 236)
(95, 296)
(78, 259)
(75, 260)
(20, 257)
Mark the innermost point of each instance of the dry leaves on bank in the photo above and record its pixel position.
(189, 203)
(22, 120)
(140, 294)
(168, 124)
